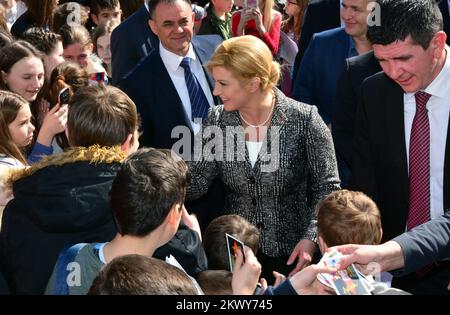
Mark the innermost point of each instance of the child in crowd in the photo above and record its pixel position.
(263, 22)
(215, 243)
(147, 199)
(216, 282)
(291, 30)
(103, 11)
(78, 47)
(141, 275)
(348, 217)
(70, 13)
(66, 75)
(102, 43)
(23, 73)
(343, 217)
(63, 199)
(218, 19)
(49, 44)
(16, 132)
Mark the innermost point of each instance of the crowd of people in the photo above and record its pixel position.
(136, 134)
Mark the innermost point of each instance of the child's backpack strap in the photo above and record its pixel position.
(66, 256)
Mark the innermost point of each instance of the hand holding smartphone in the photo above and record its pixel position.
(64, 96)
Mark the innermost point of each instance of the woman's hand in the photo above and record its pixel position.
(257, 16)
(304, 251)
(54, 122)
(246, 15)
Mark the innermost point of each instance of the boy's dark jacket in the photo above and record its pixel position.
(62, 200)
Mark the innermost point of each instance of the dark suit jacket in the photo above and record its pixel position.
(131, 41)
(157, 101)
(426, 243)
(443, 6)
(379, 166)
(321, 15)
(356, 69)
(320, 70)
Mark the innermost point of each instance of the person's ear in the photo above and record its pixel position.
(94, 18)
(153, 27)
(438, 43)
(174, 215)
(90, 48)
(254, 84)
(127, 144)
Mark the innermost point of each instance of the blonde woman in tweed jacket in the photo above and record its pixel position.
(278, 167)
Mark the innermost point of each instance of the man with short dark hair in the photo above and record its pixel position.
(401, 151)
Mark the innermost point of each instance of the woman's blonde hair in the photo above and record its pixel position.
(267, 13)
(247, 57)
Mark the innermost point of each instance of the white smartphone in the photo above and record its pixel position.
(251, 4)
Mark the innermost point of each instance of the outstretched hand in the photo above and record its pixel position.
(304, 252)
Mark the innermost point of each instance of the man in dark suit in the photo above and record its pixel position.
(356, 69)
(324, 59)
(321, 15)
(131, 41)
(401, 149)
(157, 85)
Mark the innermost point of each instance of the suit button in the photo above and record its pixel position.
(254, 201)
(260, 225)
(252, 180)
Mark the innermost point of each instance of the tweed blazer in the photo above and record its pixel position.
(296, 168)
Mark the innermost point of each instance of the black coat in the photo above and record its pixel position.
(379, 165)
(356, 69)
(321, 15)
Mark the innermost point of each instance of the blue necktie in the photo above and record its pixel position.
(199, 102)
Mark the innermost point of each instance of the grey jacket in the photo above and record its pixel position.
(296, 167)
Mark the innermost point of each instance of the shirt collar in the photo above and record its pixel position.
(352, 52)
(171, 60)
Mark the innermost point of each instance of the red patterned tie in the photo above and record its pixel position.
(419, 164)
(419, 169)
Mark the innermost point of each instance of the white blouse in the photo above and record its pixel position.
(253, 149)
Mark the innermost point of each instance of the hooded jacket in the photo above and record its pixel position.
(64, 199)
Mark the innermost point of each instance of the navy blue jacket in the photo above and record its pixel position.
(131, 41)
(320, 70)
